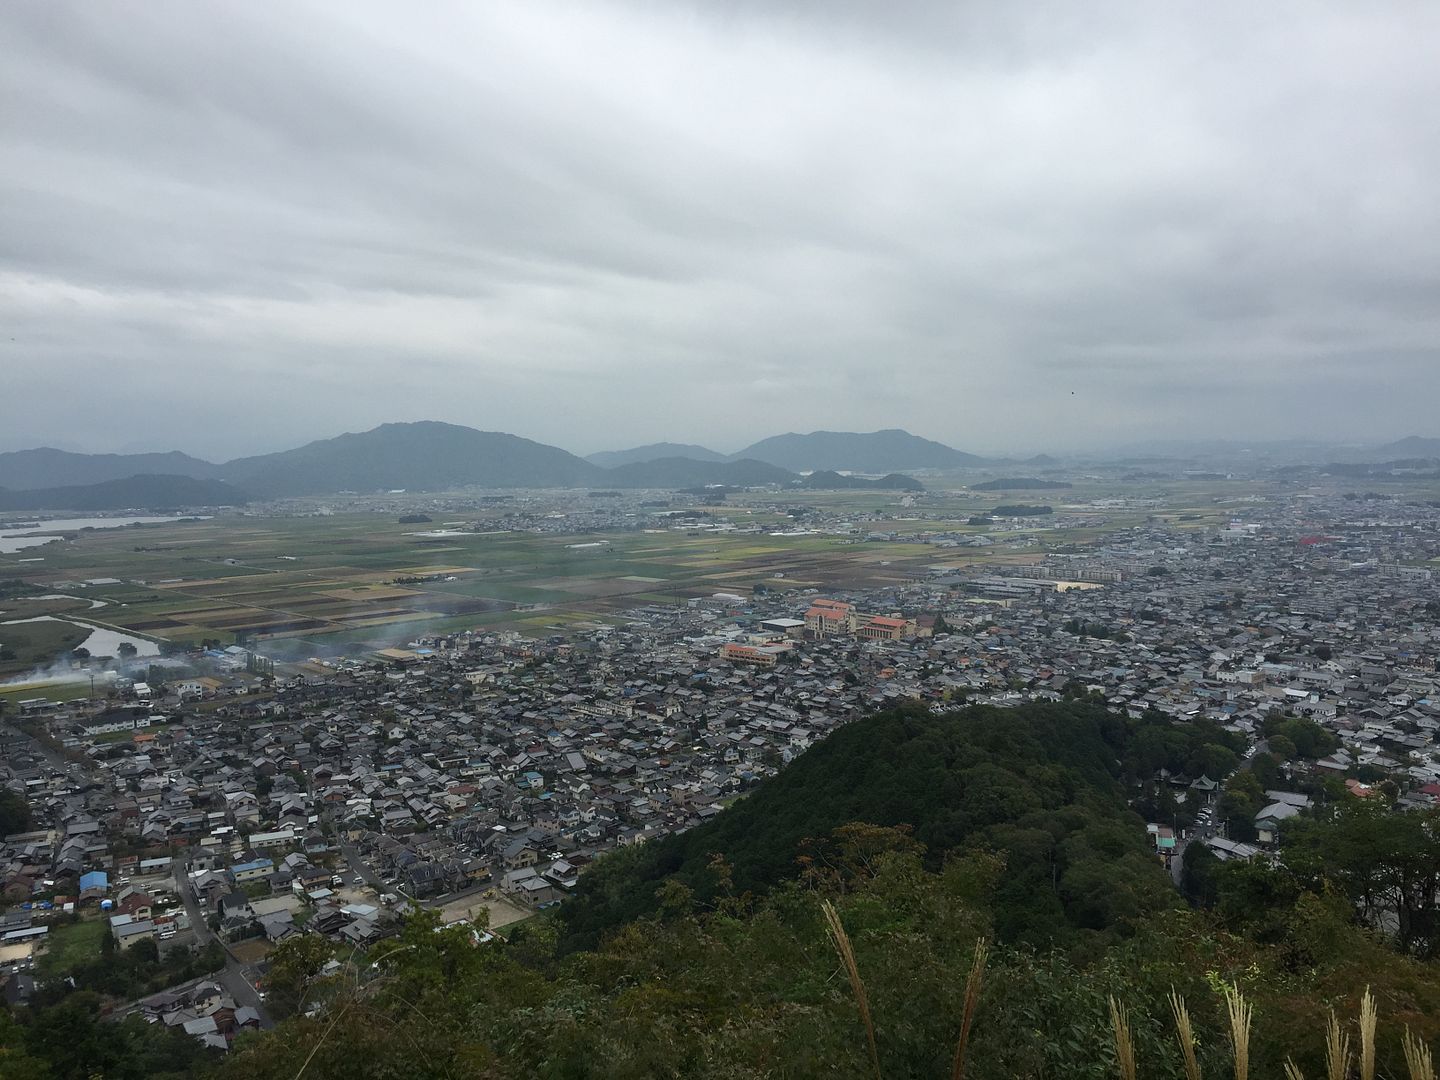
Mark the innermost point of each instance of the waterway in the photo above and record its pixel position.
(35, 533)
(102, 641)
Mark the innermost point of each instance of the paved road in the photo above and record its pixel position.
(358, 865)
(57, 760)
(233, 979)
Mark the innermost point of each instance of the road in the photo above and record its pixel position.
(56, 760)
(1199, 832)
(233, 979)
(358, 865)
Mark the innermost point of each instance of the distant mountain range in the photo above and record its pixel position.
(828, 480)
(154, 492)
(1412, 446)
(853, 451)
(886, 451)
(26, 470)
(609, 459)
(433, 456)
(425, 456)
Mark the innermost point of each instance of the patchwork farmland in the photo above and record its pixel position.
(347, 579)
(307, 584)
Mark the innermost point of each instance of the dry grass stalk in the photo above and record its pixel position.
(1292, 1071)
(1368, 1017)
(1337, 1050)
(1186, 1035)
(841, 941)
(1240, 1012)
(972, 1002)
(1417, 1057)
(1124, 1043)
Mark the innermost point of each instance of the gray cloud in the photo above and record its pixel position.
(232, 227)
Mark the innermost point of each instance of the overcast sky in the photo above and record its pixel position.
(234, 227)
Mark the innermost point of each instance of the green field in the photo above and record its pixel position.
(292, 584)
(71, 945)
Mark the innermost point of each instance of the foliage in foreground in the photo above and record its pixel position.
(743, 988)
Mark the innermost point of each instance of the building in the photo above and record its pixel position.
(257, 870)
(886, 628)
(760, 655)
(826, 618)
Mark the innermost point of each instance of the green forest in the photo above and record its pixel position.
(1005, 831)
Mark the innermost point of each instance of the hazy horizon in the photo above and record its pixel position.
(1177, 444)
(236, 229)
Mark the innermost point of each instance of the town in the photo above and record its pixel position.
(480, 772)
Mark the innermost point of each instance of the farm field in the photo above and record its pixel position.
(308, 585)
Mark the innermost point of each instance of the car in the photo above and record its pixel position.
(357, 880)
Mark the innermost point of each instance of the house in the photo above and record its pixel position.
(131, 932)
(255, 870)
(1268, 820)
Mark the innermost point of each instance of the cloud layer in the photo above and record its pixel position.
(231, 227)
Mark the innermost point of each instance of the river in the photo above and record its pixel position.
(101, 642)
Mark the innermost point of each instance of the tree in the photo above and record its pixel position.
(1283, 747)
(14, 812)
(1200, 867)
(15, 1062)
(1387, 864)
(1266, 769)
(126, 650)
(1243, 799)
(294, 967)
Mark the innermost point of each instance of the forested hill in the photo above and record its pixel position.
(1045, 785)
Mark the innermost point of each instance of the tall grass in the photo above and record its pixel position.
(1339, 1058)
(1337, 1050)
(1368, 1017)
(841, 941)
(1124, 1042)
(1417, 1058)
(1239, 1011)
(1186, 1036)
(973, 985)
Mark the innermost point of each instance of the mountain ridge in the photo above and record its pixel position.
(47, 467)
(889, 450)
(431, 455)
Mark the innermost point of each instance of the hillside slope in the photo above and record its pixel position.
(1040, 781)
